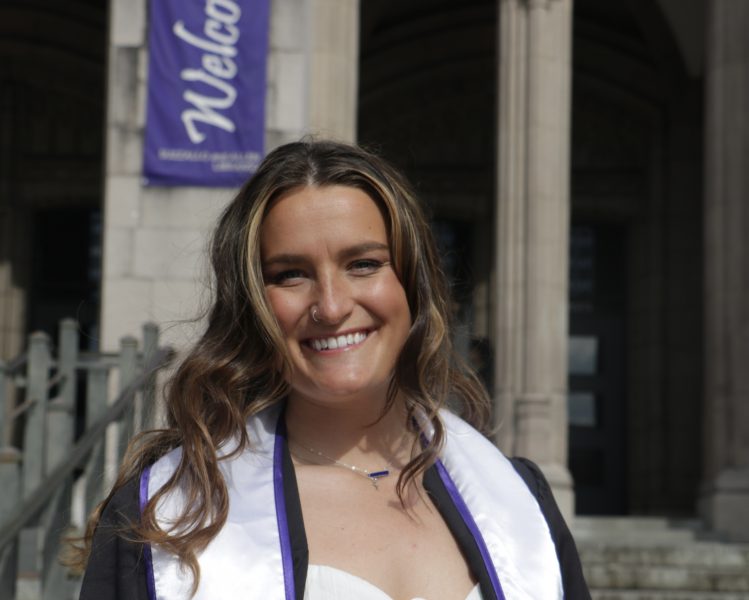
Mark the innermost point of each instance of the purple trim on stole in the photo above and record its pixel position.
(472, 527)
(281, 518)
(143, 499)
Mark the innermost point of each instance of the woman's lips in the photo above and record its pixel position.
(337, 342)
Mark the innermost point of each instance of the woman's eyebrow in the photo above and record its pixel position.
(362, 248)
(283, 259)
(350, 251)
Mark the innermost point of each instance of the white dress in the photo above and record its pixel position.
(329, 583)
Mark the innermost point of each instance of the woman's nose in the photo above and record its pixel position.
(334, 299)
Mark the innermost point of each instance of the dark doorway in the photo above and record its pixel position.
(596, 400)
(426, 102)
(66, 272)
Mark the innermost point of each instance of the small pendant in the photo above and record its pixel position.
(374, 477)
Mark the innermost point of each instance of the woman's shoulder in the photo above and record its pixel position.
(569, 559)
(160, 471)
(116, 566)
(466, 437)
(461, 434)
(533, 477)
(123, 508)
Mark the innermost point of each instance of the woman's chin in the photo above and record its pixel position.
(340, 391)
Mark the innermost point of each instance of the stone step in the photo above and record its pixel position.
(703, 555)
(653, 558)
(694, 579)
(636, 523)
(665, 595)
(637, 538)
(638, 530)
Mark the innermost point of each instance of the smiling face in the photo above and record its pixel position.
(325, 250)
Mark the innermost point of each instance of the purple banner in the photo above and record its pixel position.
(205, 117)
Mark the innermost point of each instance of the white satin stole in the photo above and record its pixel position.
(251, 558)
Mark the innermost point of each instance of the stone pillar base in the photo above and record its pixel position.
(724, 504)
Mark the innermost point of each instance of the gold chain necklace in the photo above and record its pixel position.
(372, 476)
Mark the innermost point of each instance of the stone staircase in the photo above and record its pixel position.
(644, 558)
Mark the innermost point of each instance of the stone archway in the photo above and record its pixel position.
(636, 170)
(436, 65)
(427, 103)
(427, 79)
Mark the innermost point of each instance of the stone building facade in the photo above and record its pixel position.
(585, 167)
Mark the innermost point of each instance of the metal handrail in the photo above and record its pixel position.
(26, 405)
(22, 408)
(15, 364)
(28, 509)
(86, 360)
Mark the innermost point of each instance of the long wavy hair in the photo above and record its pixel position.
(240, 364)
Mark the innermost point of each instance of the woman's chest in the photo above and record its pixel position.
(405, 552)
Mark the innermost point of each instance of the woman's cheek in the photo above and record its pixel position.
(287, 307)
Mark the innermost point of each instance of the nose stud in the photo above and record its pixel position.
(313, 314)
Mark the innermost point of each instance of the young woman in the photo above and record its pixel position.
(309, 454)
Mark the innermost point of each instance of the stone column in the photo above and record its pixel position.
(313, 70)
(725, 491)
(532, 231)
(333, 56)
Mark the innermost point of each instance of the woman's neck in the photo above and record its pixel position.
(357, 432)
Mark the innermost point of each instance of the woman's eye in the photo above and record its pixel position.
(286, 277)
(366, 265)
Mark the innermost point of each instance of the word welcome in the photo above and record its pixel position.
(218, 68)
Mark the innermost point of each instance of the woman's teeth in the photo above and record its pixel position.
(341, 341)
